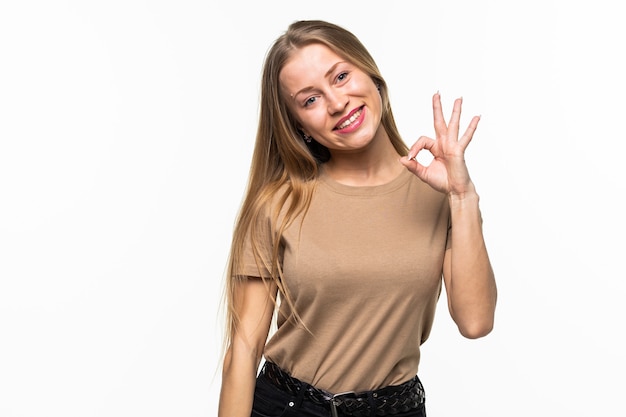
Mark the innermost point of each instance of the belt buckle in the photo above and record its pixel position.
(334, 402)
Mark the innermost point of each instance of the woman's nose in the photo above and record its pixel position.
(337, 102)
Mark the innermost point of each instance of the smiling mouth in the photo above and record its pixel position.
(350, 120)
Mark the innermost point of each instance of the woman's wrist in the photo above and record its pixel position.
(468, 194)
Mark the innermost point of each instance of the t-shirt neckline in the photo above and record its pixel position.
(390, 186)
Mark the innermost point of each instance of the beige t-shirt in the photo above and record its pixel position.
(364, 270)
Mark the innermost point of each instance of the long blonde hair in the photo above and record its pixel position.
(283, 161)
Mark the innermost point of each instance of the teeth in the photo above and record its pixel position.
(350, 120)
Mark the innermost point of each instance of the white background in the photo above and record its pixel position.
(126, 130)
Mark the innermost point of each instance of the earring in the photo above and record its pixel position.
(307, 138)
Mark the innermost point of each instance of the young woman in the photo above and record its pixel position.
(349, 238)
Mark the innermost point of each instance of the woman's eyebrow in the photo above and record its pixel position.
(309, 88)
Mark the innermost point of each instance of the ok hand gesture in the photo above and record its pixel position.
(447, 172)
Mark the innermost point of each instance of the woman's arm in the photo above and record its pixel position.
(468, 276)
(254, 307)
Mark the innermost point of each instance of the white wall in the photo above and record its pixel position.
(126, 129)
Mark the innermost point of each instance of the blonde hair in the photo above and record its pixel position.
(283, 161)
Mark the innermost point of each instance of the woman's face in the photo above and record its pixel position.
(334, 101)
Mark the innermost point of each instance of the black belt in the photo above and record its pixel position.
(385, 401)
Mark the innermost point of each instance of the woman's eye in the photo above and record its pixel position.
(342, 76)
(310, 101)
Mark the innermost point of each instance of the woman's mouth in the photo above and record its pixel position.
(352, 118)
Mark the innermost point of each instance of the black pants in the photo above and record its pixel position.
(271, 401)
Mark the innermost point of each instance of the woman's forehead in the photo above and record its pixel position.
(307, 64)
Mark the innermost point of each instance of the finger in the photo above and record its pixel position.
(424, 142)
(441, 128)
(453, 126)
(418, 169)
(414, 166)
(469, 132)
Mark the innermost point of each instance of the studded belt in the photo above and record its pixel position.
(385, 401)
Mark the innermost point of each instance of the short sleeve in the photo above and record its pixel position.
(252, 265)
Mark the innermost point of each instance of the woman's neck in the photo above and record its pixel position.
(373, 166)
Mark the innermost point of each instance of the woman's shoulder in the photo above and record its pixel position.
(279, 198)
